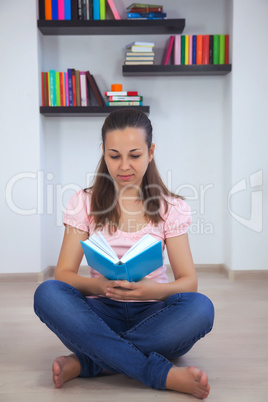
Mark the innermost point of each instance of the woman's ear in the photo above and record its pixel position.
(151, 152)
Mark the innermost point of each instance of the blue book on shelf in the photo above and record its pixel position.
(70, 86)
(67, 9)
(140, 260)
(147, 15)
(55, 14)
(194, 50)
(96, 9)
(53, 97)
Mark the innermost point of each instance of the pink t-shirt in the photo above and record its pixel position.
(176, 222)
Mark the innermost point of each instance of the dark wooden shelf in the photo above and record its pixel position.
(60, 111)
(147, 70)
(112, 27)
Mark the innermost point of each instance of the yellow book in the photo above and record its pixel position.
(186, 49)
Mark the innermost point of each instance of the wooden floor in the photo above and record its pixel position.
(234, 354)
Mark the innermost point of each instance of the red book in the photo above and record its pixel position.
(47, 89)
(121, 93)
(226, 49)
(74, 88)
(167, 55)
(205, 49)
(62, 89)
(199, 49)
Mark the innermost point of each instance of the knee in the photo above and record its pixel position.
(205, 311)
(45, 295)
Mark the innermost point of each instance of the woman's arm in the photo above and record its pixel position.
(182, 265)
(70, 257)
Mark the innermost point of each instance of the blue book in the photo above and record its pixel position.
(194, 50)
(70, 86)
(147, 15)
(53, 97)
(67, 9)
(140, 260)
(96, 9)
(55, 13)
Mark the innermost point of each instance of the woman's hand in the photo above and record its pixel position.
(145, 289)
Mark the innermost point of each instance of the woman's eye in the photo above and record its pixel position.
(135, 156)
(115, 157)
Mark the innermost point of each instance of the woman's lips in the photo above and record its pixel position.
(125, 177)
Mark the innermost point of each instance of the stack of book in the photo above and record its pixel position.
(123, 98)
(76, 10)
(197, 49)
(145, 11)
(71, 88)
(139, 53)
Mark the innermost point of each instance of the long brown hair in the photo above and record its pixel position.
(104, 205)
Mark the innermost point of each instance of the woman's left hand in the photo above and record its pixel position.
(145, 289)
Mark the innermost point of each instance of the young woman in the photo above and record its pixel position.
(132, 328)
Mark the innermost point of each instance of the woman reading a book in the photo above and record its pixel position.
(132, 328)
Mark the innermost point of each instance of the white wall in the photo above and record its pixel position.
(195, 129)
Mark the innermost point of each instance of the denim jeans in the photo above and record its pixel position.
(137, 339)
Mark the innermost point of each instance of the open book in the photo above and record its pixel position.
(140, 260)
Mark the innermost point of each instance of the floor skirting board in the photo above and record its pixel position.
(223, 269)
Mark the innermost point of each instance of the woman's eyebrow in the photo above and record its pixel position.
(132, 150)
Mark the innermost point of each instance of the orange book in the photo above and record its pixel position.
(48, 10)
(74, 88)
(199, 49)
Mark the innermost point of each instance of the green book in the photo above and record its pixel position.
(222, 50)
(102, 10)
(57, 89)
(53, 101)
(216, 49)
(182, 49)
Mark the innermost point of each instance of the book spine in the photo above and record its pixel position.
(194, 50)
(210, 49)
(48, 10)
(125, 98)
(77, 88)
(67, 10)
(146, 9)
(102, 10)
(74, 10)
(131, 103)
(83, 88)
(74, 87)
(55, 15)
(205, 49)
(48, 88)
(79, 8)
(199, 49)
(222, 50)
(62, 90)
(66, 89)
(43, 89)
(114, 9)
(216, 49)
(96, 9)
(190, 49)
(183, 49)
(70, 86)
(157, 16)
(57, 89)
(169, 50)
(177, 49)
(95, 89)
(41, 9)
(61, 9)
(226, 59)
(52, 85)
(186, 59)
(121, 93)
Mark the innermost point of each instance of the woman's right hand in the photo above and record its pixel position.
(101, 284)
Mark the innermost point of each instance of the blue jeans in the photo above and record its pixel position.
(133, 338)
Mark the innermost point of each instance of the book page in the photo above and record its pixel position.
(141, 245)
(102, 247)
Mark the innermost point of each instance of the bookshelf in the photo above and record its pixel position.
(112, 27)
(71, 111)
(161, 70)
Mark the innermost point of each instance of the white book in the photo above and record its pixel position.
(83, 88)
(140, 44)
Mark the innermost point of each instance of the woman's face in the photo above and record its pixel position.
(127, 156)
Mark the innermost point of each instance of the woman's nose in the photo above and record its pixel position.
(125, 164)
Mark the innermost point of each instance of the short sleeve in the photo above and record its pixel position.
(178, 218)
(77, 211)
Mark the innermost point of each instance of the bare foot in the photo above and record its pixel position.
(190, 380)
(65, 368)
